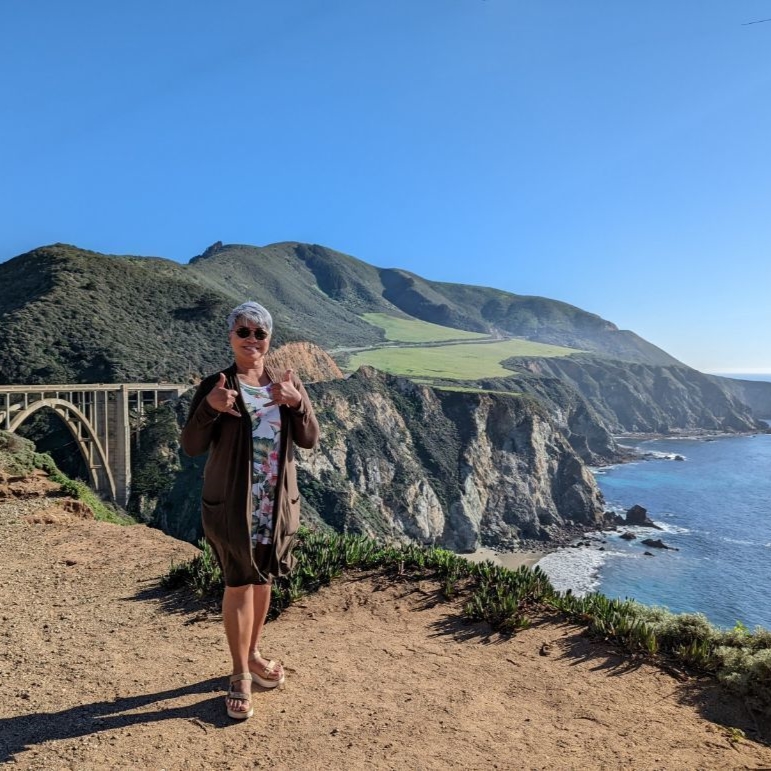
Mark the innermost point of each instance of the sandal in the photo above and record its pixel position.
(268, 678)
(240, 696)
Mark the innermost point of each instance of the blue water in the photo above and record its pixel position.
(715, 507)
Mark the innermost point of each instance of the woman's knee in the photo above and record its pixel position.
(238, 592)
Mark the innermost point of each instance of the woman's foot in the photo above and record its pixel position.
(239, 699)
(268, 674)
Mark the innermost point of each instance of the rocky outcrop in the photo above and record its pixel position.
(579, 421)
(657, 543)
(309, 362)
(638, 516)
(457, 469)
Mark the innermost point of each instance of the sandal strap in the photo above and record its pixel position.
(271, 668)
(239, 696)
(241, 676)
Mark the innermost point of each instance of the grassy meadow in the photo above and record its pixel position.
(416, 331)
(454, 361)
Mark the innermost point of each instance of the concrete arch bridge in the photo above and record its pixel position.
(97, 416)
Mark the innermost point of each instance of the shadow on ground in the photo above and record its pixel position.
(24, 731)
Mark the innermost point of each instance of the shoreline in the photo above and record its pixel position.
(629, 452)
(694, 434)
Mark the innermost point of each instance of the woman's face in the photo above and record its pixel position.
(249, 341)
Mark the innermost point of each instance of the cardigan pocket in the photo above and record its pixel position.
(214, 521)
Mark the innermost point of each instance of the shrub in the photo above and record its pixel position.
(202, 574)
(747, 673)
(103, 511)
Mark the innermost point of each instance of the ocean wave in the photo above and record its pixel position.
(602, 470)
(663, 527)
(576, 569)
(742, 542)
(668, 527)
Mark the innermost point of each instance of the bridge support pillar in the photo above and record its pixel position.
(120, 445)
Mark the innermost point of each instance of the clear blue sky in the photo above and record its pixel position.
(614, 155)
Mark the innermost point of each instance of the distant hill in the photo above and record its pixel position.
(72, 315)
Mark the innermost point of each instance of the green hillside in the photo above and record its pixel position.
(71, 315)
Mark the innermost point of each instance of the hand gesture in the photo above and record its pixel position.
(222, 398)
(284, 392)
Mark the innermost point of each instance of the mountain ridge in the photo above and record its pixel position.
(314, 292)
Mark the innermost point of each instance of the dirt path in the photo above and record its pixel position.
(101, 671)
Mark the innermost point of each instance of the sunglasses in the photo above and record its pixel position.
(259, 334)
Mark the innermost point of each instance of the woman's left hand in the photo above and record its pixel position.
(284, 392)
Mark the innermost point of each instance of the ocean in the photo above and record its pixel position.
(714, 507)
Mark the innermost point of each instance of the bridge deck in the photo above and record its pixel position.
(67, 387)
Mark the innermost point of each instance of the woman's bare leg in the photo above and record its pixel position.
(238, 617)
(261, 600)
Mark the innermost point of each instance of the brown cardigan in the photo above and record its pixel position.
(226, 505)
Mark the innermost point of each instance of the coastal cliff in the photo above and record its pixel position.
(490, 460)
(454, 468)
(754, 393)
(636, 397)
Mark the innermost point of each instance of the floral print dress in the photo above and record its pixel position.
(266, 443)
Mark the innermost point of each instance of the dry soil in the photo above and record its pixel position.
(103, 670)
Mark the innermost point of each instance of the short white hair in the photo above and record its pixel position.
(251, 311)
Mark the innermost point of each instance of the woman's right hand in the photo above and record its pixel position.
(222, 398)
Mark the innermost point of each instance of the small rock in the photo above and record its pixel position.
(638, 515)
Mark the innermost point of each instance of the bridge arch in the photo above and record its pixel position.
(90, 447)
(98, 417)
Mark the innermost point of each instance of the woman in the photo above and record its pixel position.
(248, 418)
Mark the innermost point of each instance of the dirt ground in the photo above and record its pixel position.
(100, 669)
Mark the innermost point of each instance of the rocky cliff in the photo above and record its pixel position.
(458, 469)
(754, 393)
(635, 397)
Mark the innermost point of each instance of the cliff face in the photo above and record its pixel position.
(631, 397)
(585, 429)
(457, 469)
(755, 393)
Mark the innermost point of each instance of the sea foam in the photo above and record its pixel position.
(576, 569)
